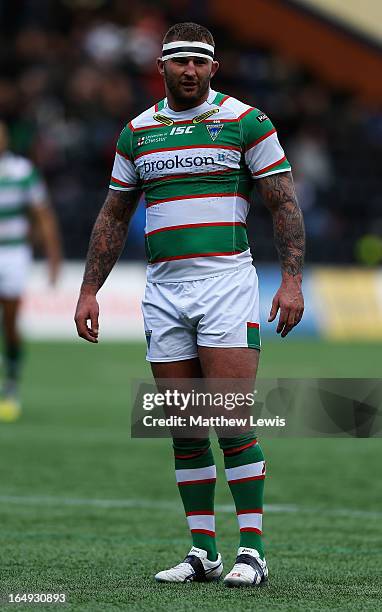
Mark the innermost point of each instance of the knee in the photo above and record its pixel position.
(188, 448)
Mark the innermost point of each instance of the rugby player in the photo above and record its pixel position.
(24, 207)
(196, 156)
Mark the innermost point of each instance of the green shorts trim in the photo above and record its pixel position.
(253, 335)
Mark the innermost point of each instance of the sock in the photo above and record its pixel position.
(196, 477)
(245, 472)
(12, 359)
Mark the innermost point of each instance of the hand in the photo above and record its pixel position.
(290, 301)
(87, 308)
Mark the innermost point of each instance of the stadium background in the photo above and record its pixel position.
(86, 510)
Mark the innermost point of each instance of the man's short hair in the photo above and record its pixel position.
(189, 31)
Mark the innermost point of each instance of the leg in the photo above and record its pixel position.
(9, 404)
(196, 477)
(229, 362)
(187, 368)
(244, 464)
(194, 467)
(12, 342)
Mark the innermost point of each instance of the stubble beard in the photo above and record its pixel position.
(174, 88)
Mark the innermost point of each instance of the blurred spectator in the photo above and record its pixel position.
(73, 72)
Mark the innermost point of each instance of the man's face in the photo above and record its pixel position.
(188, 78)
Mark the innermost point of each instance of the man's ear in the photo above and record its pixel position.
(160, 66)
(214, 69)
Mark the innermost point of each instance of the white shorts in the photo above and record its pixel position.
(14, 268)
(220, 311)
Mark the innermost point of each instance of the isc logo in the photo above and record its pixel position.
(183, 129)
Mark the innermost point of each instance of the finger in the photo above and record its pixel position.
(91, 332)
(299, 316)
(83, 330)
(284, 313)
(274, 310)
(290, 323)
(94, 323)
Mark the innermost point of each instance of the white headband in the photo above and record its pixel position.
(185, 48)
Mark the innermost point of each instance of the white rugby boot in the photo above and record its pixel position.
(195, 568)
(249, 569)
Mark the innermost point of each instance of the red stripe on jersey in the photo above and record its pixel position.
(200, 195)
(186, 226)
(150, 127)
(122, 154)
(245, 113)
(263, 137)
(163, 125)
(209, 146)
(171, 177)
(114, 180)
(174, 257)
(279, 161)
(257, 325)
(223, 100)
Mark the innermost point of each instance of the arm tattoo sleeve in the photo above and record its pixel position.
(109, 235)
(279, 196)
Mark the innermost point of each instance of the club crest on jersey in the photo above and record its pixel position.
(203, 116)
(163, 119)
(214, 129)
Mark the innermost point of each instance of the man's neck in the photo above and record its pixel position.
(177, 106)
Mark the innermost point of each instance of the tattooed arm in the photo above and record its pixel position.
(279, 196)
(106, 244)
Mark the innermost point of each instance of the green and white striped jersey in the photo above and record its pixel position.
(20, 188)
(196, 169)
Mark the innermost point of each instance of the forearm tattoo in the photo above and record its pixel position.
(278, 194)
(109, 235)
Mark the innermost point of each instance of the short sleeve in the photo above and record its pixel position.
(263, 152)
(36, 193)
(124, 176)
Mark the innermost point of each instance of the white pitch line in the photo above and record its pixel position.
(45, 500)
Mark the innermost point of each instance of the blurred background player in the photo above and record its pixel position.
(24, 213)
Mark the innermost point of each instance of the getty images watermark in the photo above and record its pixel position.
(174, 399)
(275, 407)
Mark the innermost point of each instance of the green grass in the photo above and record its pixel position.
(72, 449)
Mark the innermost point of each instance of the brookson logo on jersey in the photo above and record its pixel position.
(178, 162)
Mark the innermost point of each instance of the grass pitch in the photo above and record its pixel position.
(87, 511)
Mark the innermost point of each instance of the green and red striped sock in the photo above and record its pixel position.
(196, 477)
(245, 471)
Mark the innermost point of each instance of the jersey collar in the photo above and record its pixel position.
(189, 112)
